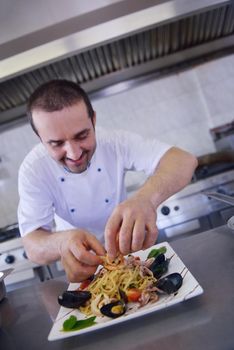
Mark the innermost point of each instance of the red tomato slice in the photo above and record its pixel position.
(133, 294)
(85, 284)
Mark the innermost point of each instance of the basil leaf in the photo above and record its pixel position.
(155, 252)
(69, 323)
(72, 324)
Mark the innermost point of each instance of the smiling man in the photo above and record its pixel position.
(69, 144)
(75, 176)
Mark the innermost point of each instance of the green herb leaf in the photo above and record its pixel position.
(72, 324)
(155, 252)
(69, 323)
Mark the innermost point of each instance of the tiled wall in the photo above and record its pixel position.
(14, 145)
(179, 109)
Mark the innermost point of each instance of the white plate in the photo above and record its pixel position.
(189, 289)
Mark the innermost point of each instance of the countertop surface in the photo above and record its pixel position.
(204, 322)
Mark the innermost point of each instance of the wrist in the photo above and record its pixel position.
(59, 243)
(147, 196)
(153, 191)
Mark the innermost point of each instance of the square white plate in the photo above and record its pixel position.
(189, 289)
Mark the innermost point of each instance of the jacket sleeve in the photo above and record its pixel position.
(35, 208)
(140, 154)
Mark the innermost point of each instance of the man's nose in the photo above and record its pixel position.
(73, 151)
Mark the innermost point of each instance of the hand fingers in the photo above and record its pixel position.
(95, 245)
(111, 232)
(84, 250)
(76, 271)
(151, 234)
(138, 235)
(142, 237)
(136, 229)
(125, 236)
(84, 256)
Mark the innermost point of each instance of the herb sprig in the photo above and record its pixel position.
(72, 324)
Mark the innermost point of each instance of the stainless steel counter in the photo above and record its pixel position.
(205, 322)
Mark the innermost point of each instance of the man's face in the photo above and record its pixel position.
(68, 135)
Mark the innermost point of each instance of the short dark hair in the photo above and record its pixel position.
(54, 95)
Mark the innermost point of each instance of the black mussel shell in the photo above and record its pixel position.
(170, 283)
(114, 309)
(159, 266)
(74, 298)
(159, 259)
(123, 296)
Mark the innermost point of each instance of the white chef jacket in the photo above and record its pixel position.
(48, 191)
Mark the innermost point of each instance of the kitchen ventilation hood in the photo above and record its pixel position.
(114, 44)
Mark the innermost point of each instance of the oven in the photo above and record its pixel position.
(191, 211)
(13, 255)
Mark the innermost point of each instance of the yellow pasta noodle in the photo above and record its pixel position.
(109, 282)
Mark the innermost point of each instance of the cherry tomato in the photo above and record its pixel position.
(133, 294)
(85, 284)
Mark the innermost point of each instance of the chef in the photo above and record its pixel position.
(71, 185)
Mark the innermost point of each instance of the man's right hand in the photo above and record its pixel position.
(78, 250)
(80, 254)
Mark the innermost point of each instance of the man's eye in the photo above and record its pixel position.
(82, 136)
(56, 144)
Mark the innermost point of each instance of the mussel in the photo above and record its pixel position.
(74, 298)
(159, 265)
(123, 296)
(114, 309)
(170, 283)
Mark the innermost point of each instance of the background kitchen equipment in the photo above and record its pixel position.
(190, 212)
(223, 137)
(223, 198)
(3, 275)
(12, 254)
(106, 45)
(220, 197)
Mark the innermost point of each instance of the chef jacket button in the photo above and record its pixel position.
(72, 210)
(107, 200)
(99, 169)
(62, 179)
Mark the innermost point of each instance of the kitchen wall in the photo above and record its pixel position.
(179, 109)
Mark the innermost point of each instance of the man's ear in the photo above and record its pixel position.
(94, 119)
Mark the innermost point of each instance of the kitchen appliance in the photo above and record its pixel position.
(3, 275)
(223, 137)
(108, 46)
(190, 211)
(223, 198)
(13, 255)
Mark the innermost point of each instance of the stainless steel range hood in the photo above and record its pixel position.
(113, 44)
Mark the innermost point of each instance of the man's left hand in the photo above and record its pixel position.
(131, 227)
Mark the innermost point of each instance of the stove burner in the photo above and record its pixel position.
(9, 232)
